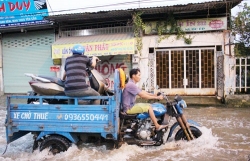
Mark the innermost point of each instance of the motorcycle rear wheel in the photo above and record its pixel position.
(55, 143)
(180, 135)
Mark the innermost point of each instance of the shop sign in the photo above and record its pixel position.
(22, 12)
(192, 25)
(54, 68)
(118, 47)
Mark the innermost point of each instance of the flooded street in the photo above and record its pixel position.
(232, 129)
(226, 136)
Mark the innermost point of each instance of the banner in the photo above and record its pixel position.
(22, 12)
(118, 47)
(192, 25)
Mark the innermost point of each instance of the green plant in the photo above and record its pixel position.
(170, 27)
(139, 26)
(241, 29)
(188, 40)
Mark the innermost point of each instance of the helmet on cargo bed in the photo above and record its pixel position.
(78, 49)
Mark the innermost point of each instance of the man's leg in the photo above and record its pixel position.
(146, 107)
(154, 119)
(91, 92)
(86, 92)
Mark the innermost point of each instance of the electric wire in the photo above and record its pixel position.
(50, 6)
(116, 4)
(89, 7)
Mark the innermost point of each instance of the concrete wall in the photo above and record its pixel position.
(1, 66)
(229, 65)
(237, 101)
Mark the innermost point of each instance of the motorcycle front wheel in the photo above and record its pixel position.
(180, 135)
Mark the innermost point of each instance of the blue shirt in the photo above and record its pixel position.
(129, 95)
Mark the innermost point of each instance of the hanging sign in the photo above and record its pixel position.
(191, 25)
(118, 47)
(22, 12)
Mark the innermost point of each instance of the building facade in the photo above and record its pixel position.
(203, 66)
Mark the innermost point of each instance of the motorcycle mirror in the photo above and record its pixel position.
(29, 74)
(177, 98)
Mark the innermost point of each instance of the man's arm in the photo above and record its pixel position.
(146, 95)
(151, 94)
(64, 76)
(94, 60)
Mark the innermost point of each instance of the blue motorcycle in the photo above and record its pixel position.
(139, 129)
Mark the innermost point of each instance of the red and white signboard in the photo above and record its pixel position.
(54, 68)
(193, 25)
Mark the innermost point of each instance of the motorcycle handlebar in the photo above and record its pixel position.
(97, 60)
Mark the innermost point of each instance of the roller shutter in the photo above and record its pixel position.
(25, 53)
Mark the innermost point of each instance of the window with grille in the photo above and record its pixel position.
(242, 75)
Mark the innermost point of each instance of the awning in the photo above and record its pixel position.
(95, 45)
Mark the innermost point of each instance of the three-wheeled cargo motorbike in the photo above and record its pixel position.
(56, 124)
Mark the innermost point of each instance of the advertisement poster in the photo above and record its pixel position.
(118, 47)
(22, 12)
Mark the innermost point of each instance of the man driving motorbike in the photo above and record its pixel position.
(129, 97)
(75, 74)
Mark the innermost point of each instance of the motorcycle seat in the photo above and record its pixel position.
(124, 115)
(54, 80)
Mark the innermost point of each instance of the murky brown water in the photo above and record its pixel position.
(226, 136)
(231, 126)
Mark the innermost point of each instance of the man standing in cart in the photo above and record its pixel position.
(75, 74)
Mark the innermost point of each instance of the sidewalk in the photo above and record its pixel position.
(3, 101)
(195, 101)
(234, 101)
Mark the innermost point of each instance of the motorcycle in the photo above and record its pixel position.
(139, 129)
(134, 129)
(47, 86)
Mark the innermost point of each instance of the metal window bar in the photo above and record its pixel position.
(242, 75)
(97, 31)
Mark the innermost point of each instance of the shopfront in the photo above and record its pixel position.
(186, 69)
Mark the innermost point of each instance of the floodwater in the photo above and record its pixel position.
(226, 136)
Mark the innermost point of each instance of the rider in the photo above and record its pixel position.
(129, 97)
(75, 74)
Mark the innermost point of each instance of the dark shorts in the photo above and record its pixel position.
(81, 93)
